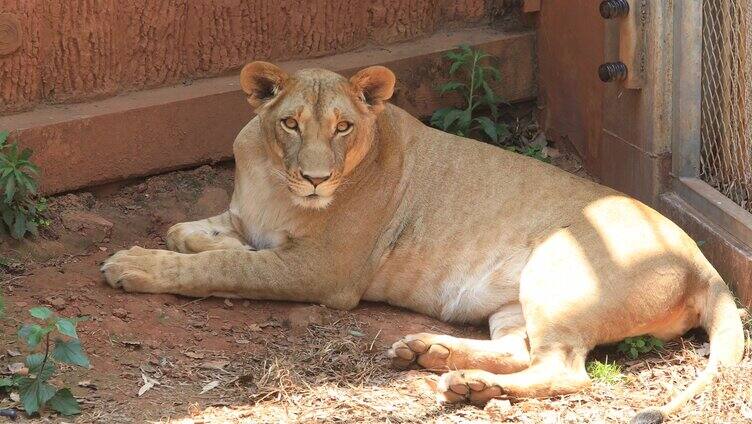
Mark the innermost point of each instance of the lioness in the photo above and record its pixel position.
(340, 196)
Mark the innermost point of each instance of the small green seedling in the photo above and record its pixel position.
(52, 340)
(605, 372)
(479, 97)
(22, 210)
(535, 152)
(633, 347)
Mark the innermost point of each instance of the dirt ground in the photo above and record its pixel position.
(213, 360)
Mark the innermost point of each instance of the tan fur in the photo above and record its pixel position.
(442, 225)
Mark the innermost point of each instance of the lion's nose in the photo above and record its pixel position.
(316, 180)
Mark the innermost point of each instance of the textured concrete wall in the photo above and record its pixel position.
(76, 50)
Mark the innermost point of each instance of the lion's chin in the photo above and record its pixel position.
(313, 201)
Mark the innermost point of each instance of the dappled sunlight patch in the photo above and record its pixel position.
(368, 391)
(393, 400)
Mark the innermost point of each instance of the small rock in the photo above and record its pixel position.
(120, 313)
(271, 323)
(147, 368)
(498, 409)
(197, 324)
(17, 367)
(246, 303)
(42, 250)
(80, 220)
(11, 413)
(215, 365)
(136, 345)
(88, 384)
(194, 355)
(304, 316)
(57, 302)
(228, 303)
(211, 385)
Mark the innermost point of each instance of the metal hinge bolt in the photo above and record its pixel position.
(612, 71)
(612, 9)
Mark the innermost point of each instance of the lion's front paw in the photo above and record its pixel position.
(136, 270)
(473, 385)
(423, 349)
(186, 238)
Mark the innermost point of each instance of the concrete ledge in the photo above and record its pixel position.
(731, 258)
(163, 129)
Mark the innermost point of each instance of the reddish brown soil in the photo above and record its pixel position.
(130, 334)
(254, 361)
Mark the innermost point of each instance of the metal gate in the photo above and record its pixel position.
(712, 137)
(726, 111)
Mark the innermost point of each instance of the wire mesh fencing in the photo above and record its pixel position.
(726, 127)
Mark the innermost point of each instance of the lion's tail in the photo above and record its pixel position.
(724, 326)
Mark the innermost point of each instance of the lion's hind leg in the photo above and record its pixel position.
(215, 233)
(557, 367)
(558, 373)
(506, 352)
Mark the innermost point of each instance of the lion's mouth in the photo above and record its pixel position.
(313, 201)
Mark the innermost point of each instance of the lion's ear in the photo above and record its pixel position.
(374, 84)
(261, 81)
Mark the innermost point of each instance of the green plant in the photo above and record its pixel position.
(606, 372)
(21, 208)
(477, 94)
(535, 152)
(633, 347)
(32, 380)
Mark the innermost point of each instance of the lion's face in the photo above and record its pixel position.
(318, 125)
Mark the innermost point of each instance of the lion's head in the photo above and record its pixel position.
(318, 125)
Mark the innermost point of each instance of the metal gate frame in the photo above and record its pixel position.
(686, 140)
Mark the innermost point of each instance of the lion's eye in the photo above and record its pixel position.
(290, 123)
(343, 126)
